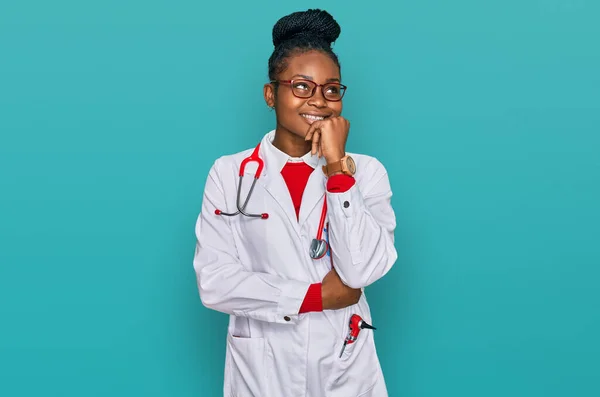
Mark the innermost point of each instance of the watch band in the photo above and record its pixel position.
(329, 169)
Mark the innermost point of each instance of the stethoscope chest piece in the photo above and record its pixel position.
(318, 248)
(318, 245)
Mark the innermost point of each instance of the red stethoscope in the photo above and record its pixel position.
(318, 246)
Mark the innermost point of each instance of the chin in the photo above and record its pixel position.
(297, 129)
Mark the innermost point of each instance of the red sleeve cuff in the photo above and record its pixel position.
(340, 183)
(312, 301)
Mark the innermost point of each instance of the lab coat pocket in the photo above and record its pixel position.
(246, 366)
(356, 371)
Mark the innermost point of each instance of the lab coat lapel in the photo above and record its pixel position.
(272, 181)
(313, 195)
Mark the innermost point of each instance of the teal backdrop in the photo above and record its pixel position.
(486, 114)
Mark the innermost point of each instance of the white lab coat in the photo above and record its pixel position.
(258, 271)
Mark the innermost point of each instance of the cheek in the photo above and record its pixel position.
(291, 104)
(288, 110)
(336, 107)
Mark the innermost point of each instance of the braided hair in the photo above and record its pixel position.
(301, 32)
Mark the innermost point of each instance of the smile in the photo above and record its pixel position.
(311, 118)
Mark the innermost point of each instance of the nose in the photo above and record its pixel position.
(317, 100)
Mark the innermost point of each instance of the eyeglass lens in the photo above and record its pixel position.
(306, 88)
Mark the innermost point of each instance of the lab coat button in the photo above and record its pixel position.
(286, 318)
(346, 204)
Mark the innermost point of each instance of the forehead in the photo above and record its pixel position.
(315, 64)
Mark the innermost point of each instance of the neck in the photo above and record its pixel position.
(290, 143)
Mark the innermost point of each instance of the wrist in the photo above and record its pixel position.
(344, 165)
(335, 157)
(324, 298)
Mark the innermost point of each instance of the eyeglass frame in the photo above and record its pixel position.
(290, 82)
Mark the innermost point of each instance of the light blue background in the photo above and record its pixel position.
(486, 114)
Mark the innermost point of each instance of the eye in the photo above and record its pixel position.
(300, 85)
(332, 89)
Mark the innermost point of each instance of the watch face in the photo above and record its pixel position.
(351, 165)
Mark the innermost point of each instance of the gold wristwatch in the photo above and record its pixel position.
(346, 166)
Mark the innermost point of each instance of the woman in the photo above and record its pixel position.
(290, 299)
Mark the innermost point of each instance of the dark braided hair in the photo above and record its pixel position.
(300, 32)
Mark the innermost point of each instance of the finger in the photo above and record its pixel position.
(315, 142)
(309, 134)
(314, 127)
(320, 147)
(311, 130)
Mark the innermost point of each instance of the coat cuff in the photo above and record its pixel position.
(290, 300)
(340, 183)
(313, 301)
(346, 204)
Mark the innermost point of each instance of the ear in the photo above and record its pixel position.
(269, 93)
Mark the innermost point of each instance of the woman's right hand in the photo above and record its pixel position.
(337, 295)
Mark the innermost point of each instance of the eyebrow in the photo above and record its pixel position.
(310, 78)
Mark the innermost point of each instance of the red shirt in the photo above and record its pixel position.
(296, 176)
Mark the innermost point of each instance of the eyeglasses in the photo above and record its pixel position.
(306, 89)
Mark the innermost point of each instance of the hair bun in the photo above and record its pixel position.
(312, 23)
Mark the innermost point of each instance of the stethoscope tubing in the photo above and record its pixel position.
(240, 210)
(322, 221)
(318, 242)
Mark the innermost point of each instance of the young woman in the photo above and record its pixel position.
(285, 247)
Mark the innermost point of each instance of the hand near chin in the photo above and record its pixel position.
(329, 138)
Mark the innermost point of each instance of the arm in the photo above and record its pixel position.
(362, 225)
(224, 283)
